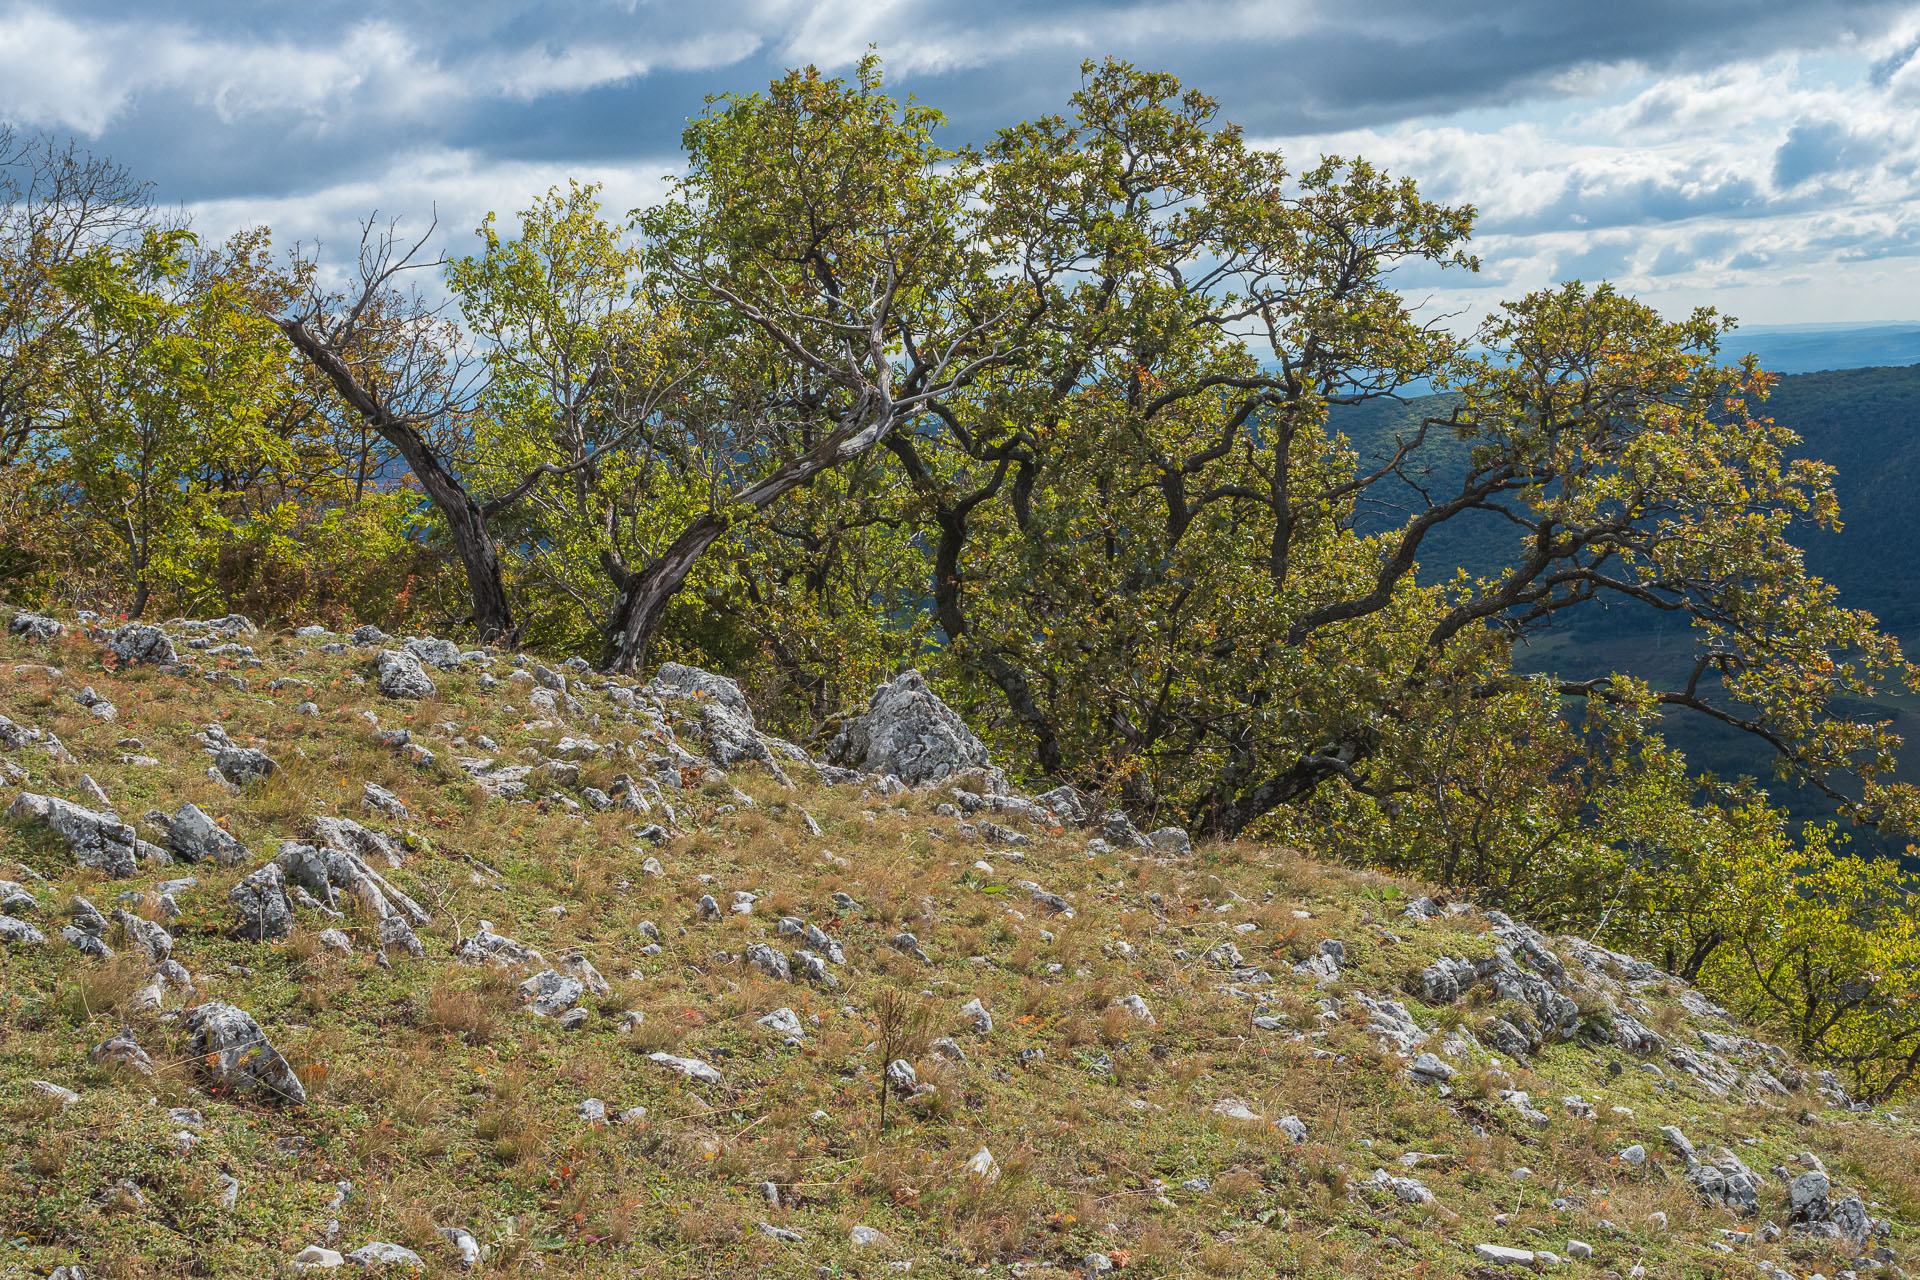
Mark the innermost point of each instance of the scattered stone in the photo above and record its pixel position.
(19, 933)
(488, 947)
(261, 900)
(46, 1088)
(142, 642)
(375, 798)
(396, 934)
(99, 841)
(1172, 840)
(236, 1054)
(977, 1016)
(692, 1068)
(35, 626)
(1502, 1256)
(1409, 1190)
(241, 765)
(381, 1256)
(400, 676)
(908, 732)
(784, 1022)
(316, 1258)
(195, 837)
(464, 1246)
(550, 993)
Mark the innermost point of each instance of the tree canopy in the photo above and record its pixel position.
(1057, 418)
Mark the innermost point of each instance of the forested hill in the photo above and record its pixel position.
(1864, 422)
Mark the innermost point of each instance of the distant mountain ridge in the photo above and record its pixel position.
(1814, 348)
(1865, 422)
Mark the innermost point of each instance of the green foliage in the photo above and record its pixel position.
(1102, 425)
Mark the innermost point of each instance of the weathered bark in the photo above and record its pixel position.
(645, 594)
(1228, 815)
(466, 522)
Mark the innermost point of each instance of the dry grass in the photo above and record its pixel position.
(444, 1103)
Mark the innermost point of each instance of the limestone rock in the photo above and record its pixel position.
(261, 900)
(692, 1068)
(328, 872)
(99, 841)
(400, 676)
(235, 1052)
(122, 1050)
(379, 1256)
(18, 933)
(550, 993)
(142, 642)
(907, 731)
(241, 765)
(34, 626)
(195, 837)
(676, 680)
(488, 947)
(433, 651)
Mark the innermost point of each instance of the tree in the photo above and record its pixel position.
(398, 364)
(57, 205)
(173, 404)
(833, 264)
(1146, 539)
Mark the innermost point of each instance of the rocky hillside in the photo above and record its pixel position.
(330, 952)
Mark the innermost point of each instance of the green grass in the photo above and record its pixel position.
(445, 1105)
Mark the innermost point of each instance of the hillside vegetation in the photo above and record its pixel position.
(590, 998)
(1018, 496)
(1865, 423)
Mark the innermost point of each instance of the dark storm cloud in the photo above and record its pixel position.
(1818, 148)
(224, 98)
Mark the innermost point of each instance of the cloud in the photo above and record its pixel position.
(1821, 147)
(1683, 148)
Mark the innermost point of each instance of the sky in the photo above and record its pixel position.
(1761, 156)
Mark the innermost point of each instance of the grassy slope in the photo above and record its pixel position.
(445, 1105)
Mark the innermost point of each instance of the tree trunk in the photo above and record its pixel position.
(644, 596)
(1227, 816)
(492, 613)
(140, 594)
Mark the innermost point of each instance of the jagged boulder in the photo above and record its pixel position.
(35, 626)
(98, 840)
(261, 901)
(237, 1056)
(241, 765)
(195, 837)
(349, 836)
(233, 624)
(550, 993)
(328, 872)
(400, 676)
(676, 680)
(142, 642)
(433, 651)
(488, 947)
(19, 933)
(907, 731)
